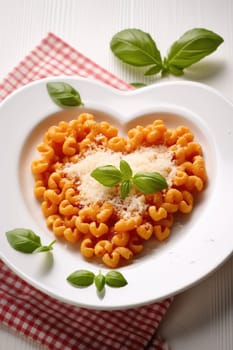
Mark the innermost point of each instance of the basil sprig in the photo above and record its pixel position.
(85, 278)
(109, 175)
(64, 94)
(137, 48)
(26, 241)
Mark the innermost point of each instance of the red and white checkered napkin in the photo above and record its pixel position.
(28, 311)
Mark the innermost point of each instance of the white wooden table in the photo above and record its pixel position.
(201, 317)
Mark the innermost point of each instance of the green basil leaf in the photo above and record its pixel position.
(153, 70)
(175, 70)
(125, 188)
(44, 248)
(23, 240)
(149, 182)
(64, 94)
(191, 47)
(135, 47)
(107, 175)
(126, 170)
(99, 282)
(115, 279)
(81, 278)
(138, 85)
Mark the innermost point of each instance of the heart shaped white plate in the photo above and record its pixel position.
(195, 248)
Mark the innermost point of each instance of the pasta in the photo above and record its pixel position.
(108, 227)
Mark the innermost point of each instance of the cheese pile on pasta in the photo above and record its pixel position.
(80, 209)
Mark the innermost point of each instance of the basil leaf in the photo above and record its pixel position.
(175, 70)
(190, 48)
(125, 188)
(107, 175)
(115, 279)
(126, 170)
(64, 94)
(23, 240)
(135, 47)
(149, 182)
(44, 248)
(153, 70)
(81, 278)
(99, 282)
(138, 85)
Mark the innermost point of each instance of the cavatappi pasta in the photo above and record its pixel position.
(80, 209)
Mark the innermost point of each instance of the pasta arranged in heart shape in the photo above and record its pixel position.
(80, 209)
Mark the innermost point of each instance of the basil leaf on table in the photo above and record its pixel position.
(115, 279)
(149, 182)
(64, 94)
(153, 70)
(190, 48)
(23, 240)
(137, 48)
(81, 278)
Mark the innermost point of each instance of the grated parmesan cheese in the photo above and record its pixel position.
(144, 159)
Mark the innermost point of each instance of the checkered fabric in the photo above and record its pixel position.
(30, 312)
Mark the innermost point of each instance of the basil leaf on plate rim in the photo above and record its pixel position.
(115, 279)
(45, 248)
(85, 278)
(81, 278)
(64, 94)
(26, 241)
(100, 282)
